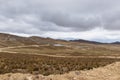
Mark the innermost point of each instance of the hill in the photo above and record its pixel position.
(40, 45)
(7, 40)
(50, 56)
(86, 41)
(13, 40)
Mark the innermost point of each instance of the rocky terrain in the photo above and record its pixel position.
(110, 72)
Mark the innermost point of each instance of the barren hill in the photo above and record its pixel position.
(13, 40)
(8, 40)
(59, 47)
(110, 72)
(86, 41)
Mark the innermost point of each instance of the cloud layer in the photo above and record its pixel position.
(45, 16)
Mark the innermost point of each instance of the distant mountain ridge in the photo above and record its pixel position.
(117, 42)
(13, 40)
(86, 41)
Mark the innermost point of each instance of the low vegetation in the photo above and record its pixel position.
(36, 64)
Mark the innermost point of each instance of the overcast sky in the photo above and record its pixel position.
(66, 19)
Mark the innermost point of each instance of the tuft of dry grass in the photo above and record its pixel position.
(109, 72)
(36, 64)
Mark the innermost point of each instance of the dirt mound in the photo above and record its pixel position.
(110, 72)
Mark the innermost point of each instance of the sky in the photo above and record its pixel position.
(97, 20)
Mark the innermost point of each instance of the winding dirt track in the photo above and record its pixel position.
(5, 50)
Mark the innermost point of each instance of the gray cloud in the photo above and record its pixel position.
(40, 16)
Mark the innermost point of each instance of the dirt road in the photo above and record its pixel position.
(5, 49)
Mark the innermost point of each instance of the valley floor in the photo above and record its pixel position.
(110, 72)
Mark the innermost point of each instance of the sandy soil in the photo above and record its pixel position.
(110, 72)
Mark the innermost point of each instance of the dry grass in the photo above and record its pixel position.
(98, 50)
(45, 65)
(110, 72)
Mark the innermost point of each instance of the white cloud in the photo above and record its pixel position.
(86, 19)
(97, 34)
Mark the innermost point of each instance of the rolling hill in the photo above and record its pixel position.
(51, 56)
(40, 45)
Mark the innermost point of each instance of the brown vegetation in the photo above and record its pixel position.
(110, 72)
(36, 64)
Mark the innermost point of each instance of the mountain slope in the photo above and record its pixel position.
(13, 40)
(40, 40)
